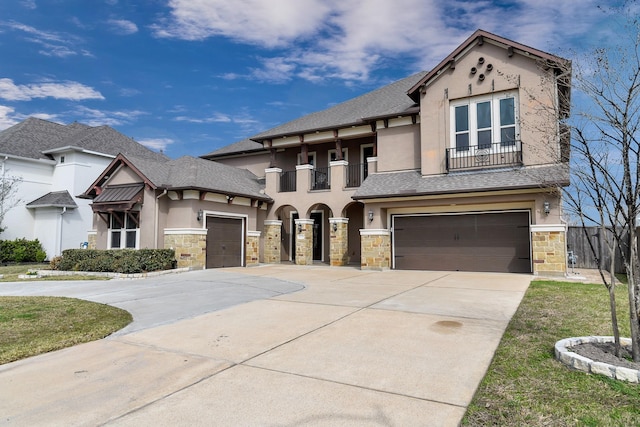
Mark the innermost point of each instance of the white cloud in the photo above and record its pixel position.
(122, 26)
(265, 23)
(159, 144)
(7, 117)
(344, 39)
(29, 4)
(73, 91)
(94, 117)
(215, 118)
(52, 43)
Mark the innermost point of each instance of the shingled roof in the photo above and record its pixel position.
(412, 183)
(390, 100)
(54, 199)
(35, 138)
(191, 173)
(241, 147)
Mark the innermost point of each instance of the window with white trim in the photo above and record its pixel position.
(333, 155)
(124, 230)
(484, 121)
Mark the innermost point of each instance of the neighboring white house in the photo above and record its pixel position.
(53, 164)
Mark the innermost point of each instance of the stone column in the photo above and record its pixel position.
(92, 239)
(190, 245)
(304, 241)
(272, 241)
(339, 251)
(375, 249)
(252, 252)
(549, 249)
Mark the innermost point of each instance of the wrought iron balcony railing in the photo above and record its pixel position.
(484, 156)
(320, 179)
(356, 173)
(287, 181)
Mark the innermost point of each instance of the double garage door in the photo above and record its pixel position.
(497, 242)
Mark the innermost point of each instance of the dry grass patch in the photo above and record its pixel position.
(525, 385)
(35, 325)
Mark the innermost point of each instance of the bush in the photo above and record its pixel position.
(125, 261)
(21, 250)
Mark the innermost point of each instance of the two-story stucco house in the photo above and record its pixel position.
(51, 164)
(457, 168)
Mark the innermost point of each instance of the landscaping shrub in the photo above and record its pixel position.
(21, 250)
(125, 261)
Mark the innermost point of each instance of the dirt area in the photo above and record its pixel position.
(604, 352)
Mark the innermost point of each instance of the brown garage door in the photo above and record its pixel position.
(474, 242)
(224, 242)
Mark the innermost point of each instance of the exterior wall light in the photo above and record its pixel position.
(370, 215)
(546, 207)
(335, 227)
(199, 217)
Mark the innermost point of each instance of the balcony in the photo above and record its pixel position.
(287, 181)
(356, 173)
(320, 179)
(484, 156)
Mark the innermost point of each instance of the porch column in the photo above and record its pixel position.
(272, 180)
(272, 241)
(252, 252)
(339, 251)
(549, 246)
(304, 241)
(375, 249)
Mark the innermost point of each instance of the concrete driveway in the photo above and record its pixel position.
(353, 347)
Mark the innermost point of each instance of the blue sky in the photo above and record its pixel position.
(190, 76)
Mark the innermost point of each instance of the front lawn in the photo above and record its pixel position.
(526, 386)
(35, 325)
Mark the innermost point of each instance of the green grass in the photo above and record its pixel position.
(526, 386)
(11, 272)
(35, 325)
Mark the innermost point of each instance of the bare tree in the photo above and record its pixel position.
(9, 186)
(605, 153)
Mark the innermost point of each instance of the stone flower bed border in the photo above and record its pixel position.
(581, 363)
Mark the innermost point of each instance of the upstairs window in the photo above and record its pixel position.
(484, 121)
(124, 230)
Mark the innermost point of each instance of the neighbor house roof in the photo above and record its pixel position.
(36, 138)
(390, 100)
(412, 183)
(54, 199)
(187, 173)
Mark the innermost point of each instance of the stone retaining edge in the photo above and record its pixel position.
(42, 273)
(581, 363)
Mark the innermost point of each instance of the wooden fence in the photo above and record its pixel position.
(578, 242)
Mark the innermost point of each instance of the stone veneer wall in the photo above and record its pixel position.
(272, 242)
(339, 247)
(376, 249)
(252, 252)
(92, 239)
(304, 242)
(549, 251)
(190, 247)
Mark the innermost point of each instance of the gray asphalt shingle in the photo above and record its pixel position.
(191, 172)
(413, 183)
(389, 100)
(58, 199)
(33, 137)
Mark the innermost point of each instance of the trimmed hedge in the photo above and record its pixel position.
(127, 261)
(21, 250)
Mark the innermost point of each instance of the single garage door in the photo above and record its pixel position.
(473, 242)
(224, 242)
